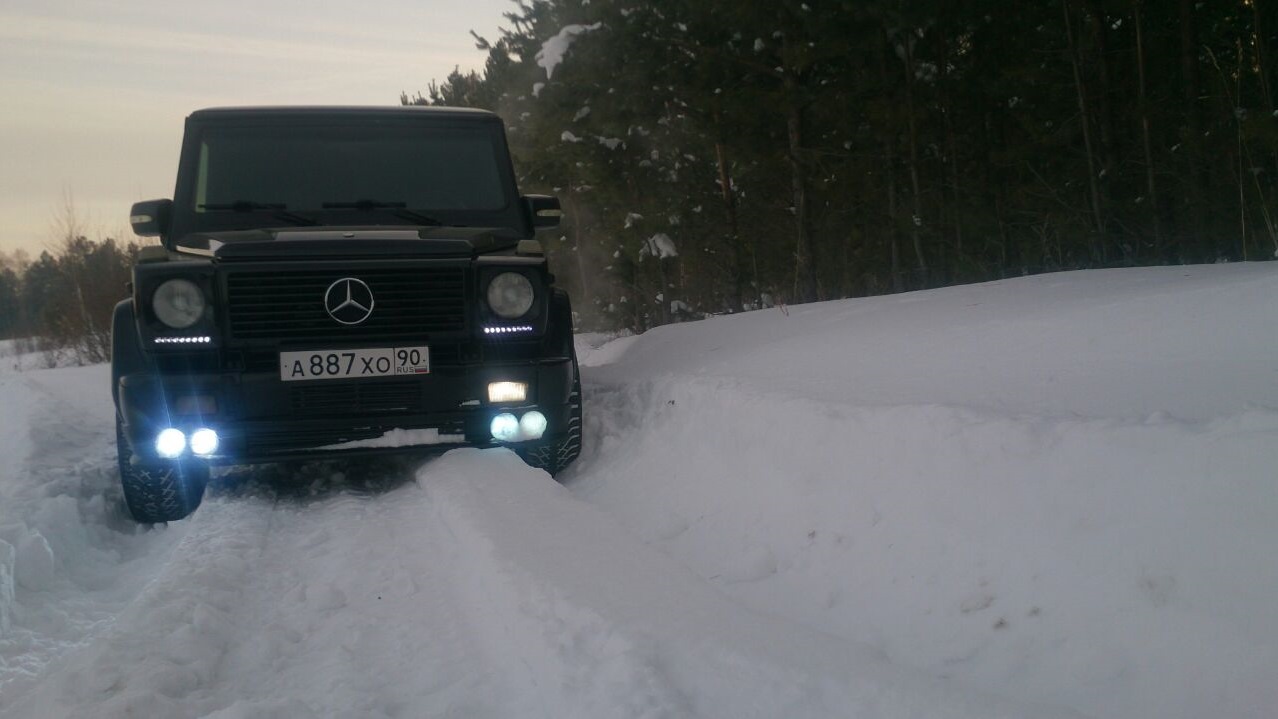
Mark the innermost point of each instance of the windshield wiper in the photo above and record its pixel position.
(398, 209)
(277, 210)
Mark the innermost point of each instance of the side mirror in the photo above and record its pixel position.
(544, 210)
(151, 218)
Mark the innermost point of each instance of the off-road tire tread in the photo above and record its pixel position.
(157, 493)
(554, 457)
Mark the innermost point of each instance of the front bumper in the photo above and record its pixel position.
(259, 418)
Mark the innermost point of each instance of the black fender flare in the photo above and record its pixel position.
(559, 337)
(127, 356)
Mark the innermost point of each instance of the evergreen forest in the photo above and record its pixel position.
(713, 157)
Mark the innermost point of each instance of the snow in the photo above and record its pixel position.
(660, 246)
(402, 438)
(1057, 488)
(1027, 498)
(552, 52)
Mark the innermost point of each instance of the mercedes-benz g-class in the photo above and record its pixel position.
(333, 281)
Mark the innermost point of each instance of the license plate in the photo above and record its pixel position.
(354, 364)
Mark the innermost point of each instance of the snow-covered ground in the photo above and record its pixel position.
(1034, 497)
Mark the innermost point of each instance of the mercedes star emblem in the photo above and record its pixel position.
(349, 301)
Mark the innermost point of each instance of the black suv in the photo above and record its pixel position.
(336, 281)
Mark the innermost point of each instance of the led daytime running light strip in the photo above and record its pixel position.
(183, 340)
(507, 330)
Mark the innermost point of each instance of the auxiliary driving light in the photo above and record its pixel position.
(170, 443)
(203, 442)
(505, 427)
(507, 391)
(532, 425)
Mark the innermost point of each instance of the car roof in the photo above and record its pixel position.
(340, 110)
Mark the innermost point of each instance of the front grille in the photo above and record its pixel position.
(288, 307)
(360, 398)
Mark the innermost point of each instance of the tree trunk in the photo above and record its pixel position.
(889, 155)
(1144, 127)
(576, 244)
(740, 273)
(1081, 91)
(805, 256)
(916, 220)
(951, 142)
(1104, 97)
(1260, 39)
(1195, 183)
(893, 221)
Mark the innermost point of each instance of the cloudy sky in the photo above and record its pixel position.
(94, 93)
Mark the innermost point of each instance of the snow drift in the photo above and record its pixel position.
(1059, 488)
(1023, 498)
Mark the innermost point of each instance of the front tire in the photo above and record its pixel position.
(555, 456)
(159, 492)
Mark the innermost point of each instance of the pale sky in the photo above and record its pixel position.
(93, 94)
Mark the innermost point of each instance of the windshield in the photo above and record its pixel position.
(353, 172)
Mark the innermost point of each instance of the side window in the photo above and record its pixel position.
(202, 178)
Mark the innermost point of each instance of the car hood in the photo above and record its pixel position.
(321, 243)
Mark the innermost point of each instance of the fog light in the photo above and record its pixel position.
(507, 391)
(203, 442)
(532, 425)
(170, 443)
(505, 427)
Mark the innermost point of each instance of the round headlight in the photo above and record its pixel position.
(178, 303)
(510, 295)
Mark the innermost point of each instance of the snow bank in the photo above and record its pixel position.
(601, 348)
(613, 628)
(69, 560)
(1056, 488)
(1189, 342)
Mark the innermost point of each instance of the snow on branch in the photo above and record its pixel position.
(553, 50)
(660, 246)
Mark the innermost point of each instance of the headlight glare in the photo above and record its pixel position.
(170, 443)
(510, 295)
(178, 303)
(203, 442)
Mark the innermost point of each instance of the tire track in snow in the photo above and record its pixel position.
(73, 560)
(604, 625)
(162, 651)
(336, 605)
(357, 617)
(567, 660)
